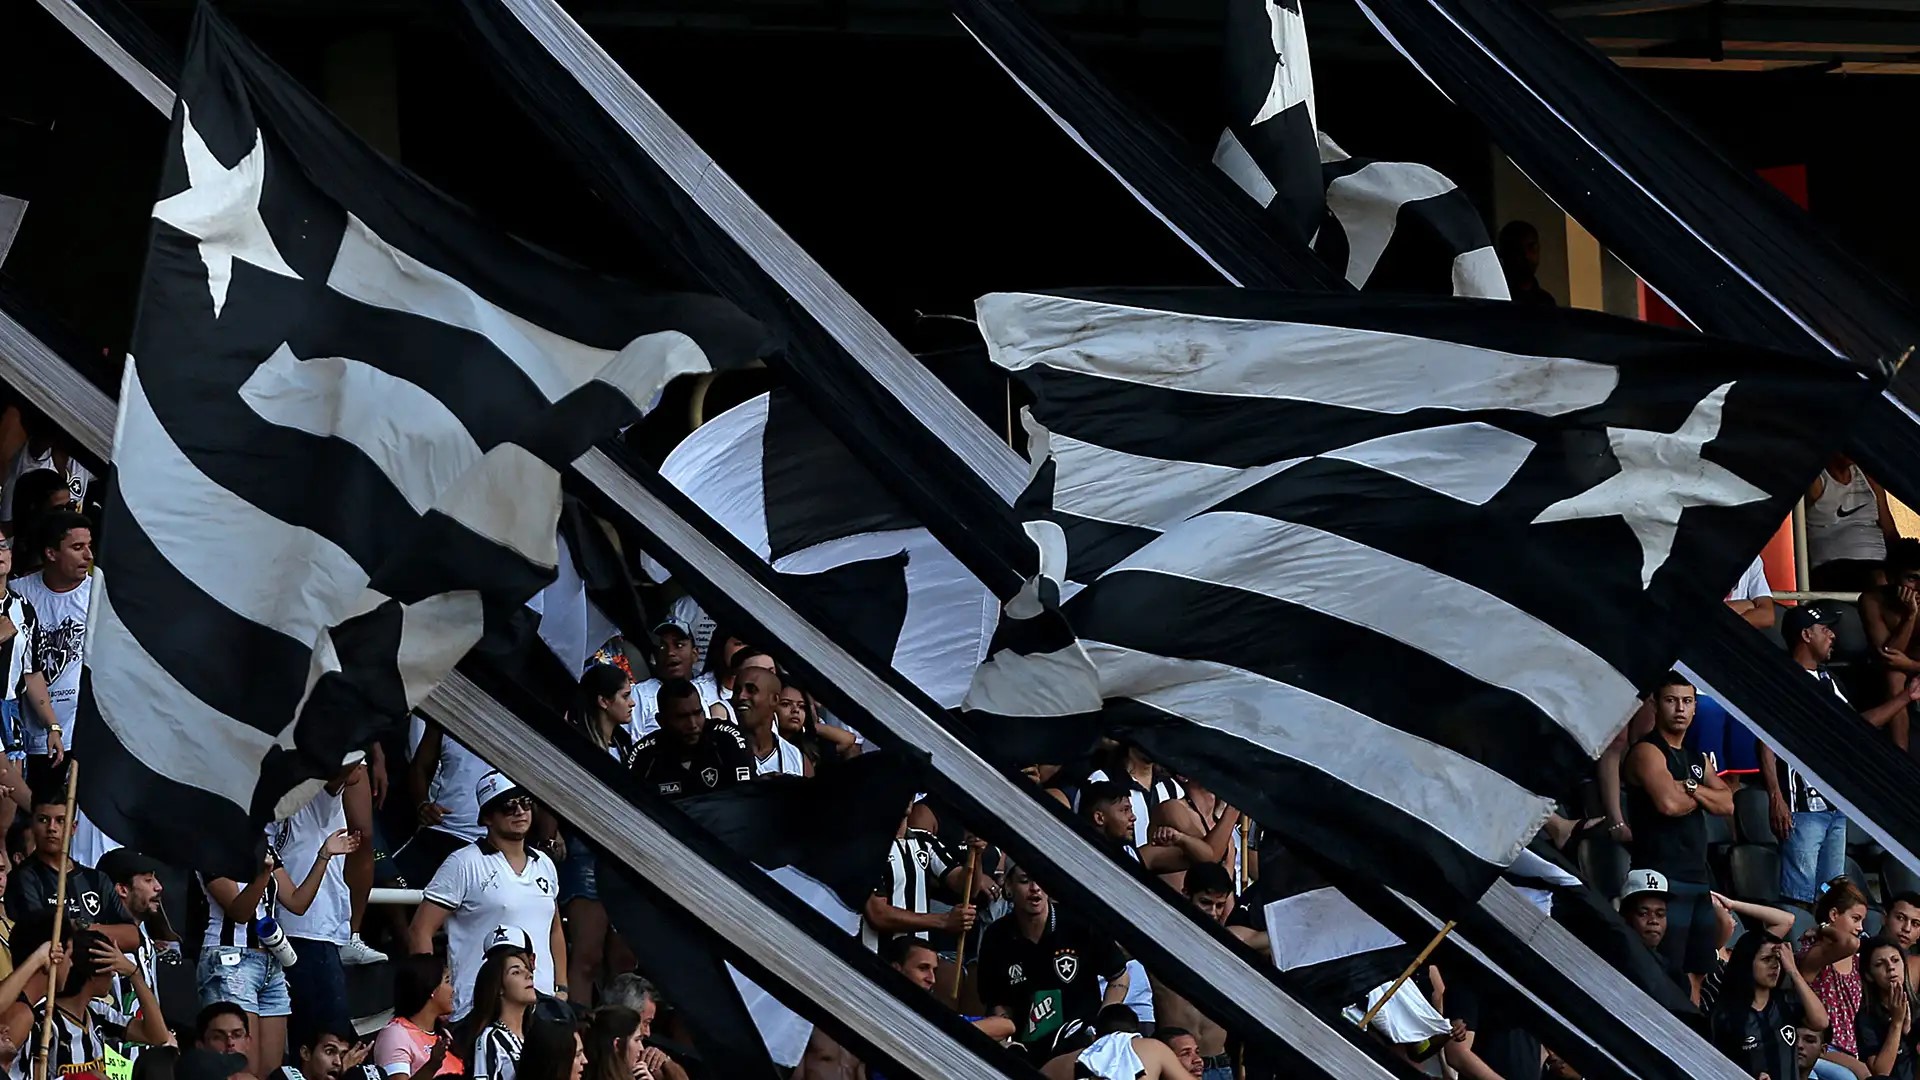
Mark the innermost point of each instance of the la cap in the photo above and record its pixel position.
(495, 785)
(1805, 617)
(508, 937)
(1643, 881)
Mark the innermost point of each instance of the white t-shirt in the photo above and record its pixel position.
(1753, 584)
(62, 643)
(454, 778)
(646, 703)
(330, 917)
(477, 884)
(77, 477)
(785, 760)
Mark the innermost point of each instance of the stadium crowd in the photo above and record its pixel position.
(1791, 931)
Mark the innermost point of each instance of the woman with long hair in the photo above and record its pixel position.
(615, 1047)
(1884, 1029)
(1764, 995)
(1827, 957)
(552, 1050)
(495, 1031)
(413, 1043)
(602, 708)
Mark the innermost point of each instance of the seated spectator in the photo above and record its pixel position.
(1845, 546)
(323, 1052)
(1771, 921)
(224, 1028)
(674, 658)
(1146, 784)
(1108, 807)
(691, 753)
(1889, 614)
(1764, 1000)
(800, 725)
(503, 998)
(615, 1050)
(1185, 1048)
(1643, 906)
(1121, 1054)
(918, 865)
(1039, 966)
(636, 993)
(1903, 926)
(1670, 792)
(1752, 598)
(756, 707)
(1209, 889)
(79, 1042)
(552, 1050)
(157, 1063)
(235, 963)
(36, 881)
(1827, 959)
(412, 1045)
(1883, 1029)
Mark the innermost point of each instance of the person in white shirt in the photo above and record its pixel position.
(1752, 598)
(756, 701)
(318, 983)
(441, 778)
(674, 658)
(60, 592)
(496, 881)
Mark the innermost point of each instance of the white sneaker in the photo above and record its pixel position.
(356, 952)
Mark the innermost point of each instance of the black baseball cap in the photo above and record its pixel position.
(122, 865)
(1806, 617)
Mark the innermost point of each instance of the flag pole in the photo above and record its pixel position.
(960, 954)
(59, 916)
(1407, 974)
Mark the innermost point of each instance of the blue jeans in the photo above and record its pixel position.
(1814, 853)
(1218, 1073)
(1830, 1070)
(247, 977)
(318, 984)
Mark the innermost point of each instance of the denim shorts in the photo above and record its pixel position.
(247, 977)
(579, 876)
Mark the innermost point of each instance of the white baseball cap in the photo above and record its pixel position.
(1642, 881)
(494, 785)
(508, 937)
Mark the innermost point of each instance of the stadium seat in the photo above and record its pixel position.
(1750, 817)
(1755, 873)
(1897, 878)
(1863, 846)
(1875, 920)
(1719, 832)
(1850, 634)
(1858, 875)
(1604, 863)
(1802, 922)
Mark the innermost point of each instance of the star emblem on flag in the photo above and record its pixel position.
(1661, 474)
(221, 209)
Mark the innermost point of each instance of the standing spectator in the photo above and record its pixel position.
(602, 704)
(36, 881)
(917, 864)
(40, 446)
(1040, 967)
(25, 688)
(1890, 612)
(615, 1048)
(1812, 832)
(497, 881)
(235, 964)
(1109, 807)
(1827, 957)
(412, 1046)
(1643, 907)
(1884, 1028)
(317, 985)
(60, 592)
(1752, 597)
(756, 704)
(503, 998)
(1145, 783)
(441, 779)
(1670, 792)
(674, 658)
(691, 753)
(1848, 528)
(1754, 1023)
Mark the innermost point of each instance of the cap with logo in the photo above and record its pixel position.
(1643, 881)
(494, 786)
(508, 937)
(1806, 617)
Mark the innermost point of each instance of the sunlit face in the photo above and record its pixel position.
(511, 818)
(1186, 1050)
(1025, 893)
(920, 966)
(755, 697)
(516, 982)
(1673, 708)
(1115, 820)
(1647, 914)
(72, 557)
(1851, 921)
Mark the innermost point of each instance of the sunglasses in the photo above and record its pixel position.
(514, 805)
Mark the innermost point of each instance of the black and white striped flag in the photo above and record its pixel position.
(339, 445)
(769, 472)
(1395, 226)
(1390, 573)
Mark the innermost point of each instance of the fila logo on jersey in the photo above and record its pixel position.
(1067, 965)
(710, 777)
(743, 773)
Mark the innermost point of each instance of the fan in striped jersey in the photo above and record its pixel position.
(1387, 574)
(1396, 226)
(339, 444)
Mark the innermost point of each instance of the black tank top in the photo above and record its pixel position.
(1675, 846)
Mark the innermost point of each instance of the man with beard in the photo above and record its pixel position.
(691, 754)
(496, 881)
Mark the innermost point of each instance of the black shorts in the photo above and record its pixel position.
(420, 857)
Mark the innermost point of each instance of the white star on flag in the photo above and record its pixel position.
(1660, 475)
(221, 208)
(1292, 78)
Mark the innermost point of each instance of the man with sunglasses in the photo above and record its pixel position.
(497, 881)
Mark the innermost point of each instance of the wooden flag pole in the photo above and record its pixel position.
(1407, 974)
(960, 955)
(59, 917)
